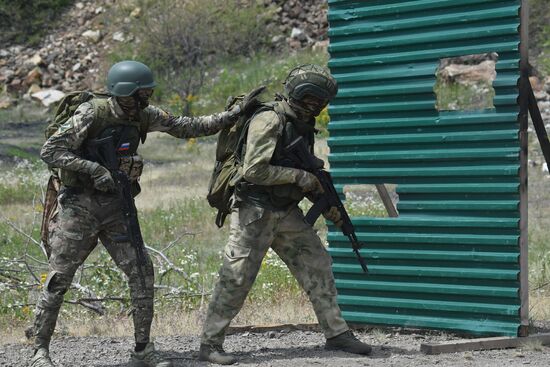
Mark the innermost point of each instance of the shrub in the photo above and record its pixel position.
(180, 40)
(26, 21)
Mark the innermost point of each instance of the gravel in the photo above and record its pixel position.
(392, 347)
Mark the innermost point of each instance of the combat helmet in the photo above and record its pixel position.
(127, 77)
(310, 79)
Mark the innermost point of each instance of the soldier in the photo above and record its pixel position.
(90, 209)
(266, 214)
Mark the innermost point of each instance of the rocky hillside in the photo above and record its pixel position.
(69, 58)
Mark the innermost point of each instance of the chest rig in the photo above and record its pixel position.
(280, 197)
(127, 135)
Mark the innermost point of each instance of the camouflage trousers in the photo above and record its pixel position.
(84, 217)
(253, 231)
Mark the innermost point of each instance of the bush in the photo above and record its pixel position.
(26, 21)
(181, 40)
(539, 34)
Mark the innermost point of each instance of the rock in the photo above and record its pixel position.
(545, 167)
(277, 39)
(76, 67)
(79, 5)
(35, 88)
(543, 105)
(15, 85)
(6, 74)
(16, 50)
(296, 33)
(4, 53)
(119, 37)
(94, 36)
(485, 72)
(33, 77)
(49, 96)
(136, 13)
(320, 45)
(99, 10)
(272, 334)
(536, 84)
(36, 60)
(5, 102)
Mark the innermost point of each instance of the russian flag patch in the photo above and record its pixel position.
(123, 147)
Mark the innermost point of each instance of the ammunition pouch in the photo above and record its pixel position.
(132, 166)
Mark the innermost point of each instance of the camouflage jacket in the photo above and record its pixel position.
(60, 149)
(267, 134)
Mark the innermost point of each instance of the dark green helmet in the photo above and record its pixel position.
(310, 79)
(127, 77)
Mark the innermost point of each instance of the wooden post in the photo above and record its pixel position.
(523, 194)
(386, 199)
(483, 344)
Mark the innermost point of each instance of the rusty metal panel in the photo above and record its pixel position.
(451, 259)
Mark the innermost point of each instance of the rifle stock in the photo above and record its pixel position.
(302, 158)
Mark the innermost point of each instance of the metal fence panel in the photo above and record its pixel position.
(451, 260)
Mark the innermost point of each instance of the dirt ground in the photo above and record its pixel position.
(392, 347)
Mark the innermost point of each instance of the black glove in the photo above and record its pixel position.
(248, 103)
(333, 214)
(308, 182)
(103, 181)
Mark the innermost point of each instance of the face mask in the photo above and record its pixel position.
(138, 101)
(143, 96)
(308, 107)
(128, 105)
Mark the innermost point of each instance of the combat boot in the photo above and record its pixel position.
(215, 354)
(41, 358)
(148, 357)
(347, 342)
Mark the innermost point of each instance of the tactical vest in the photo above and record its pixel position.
(127, 136)
(279, 197)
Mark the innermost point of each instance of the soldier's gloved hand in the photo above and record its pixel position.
(103, 181)
(333, 214)
(248, 103)
(308, 182)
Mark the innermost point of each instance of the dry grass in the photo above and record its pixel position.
(288, 310)
(539, 307)
(532, 346)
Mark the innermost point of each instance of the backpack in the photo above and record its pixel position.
(67, 107)
(229, 147)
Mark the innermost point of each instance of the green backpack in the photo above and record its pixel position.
(67, 107)
(227, 170)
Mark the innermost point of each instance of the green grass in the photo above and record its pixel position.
(456, 96)
(23, 112)
(246, 73)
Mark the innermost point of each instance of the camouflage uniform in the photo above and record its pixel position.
(258, 224)
(86, 214)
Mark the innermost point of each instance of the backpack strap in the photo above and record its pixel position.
(269, 106)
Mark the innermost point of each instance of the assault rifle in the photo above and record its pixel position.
(103, 151)
(300, 156)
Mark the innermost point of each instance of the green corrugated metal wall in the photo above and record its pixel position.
(451, 258)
